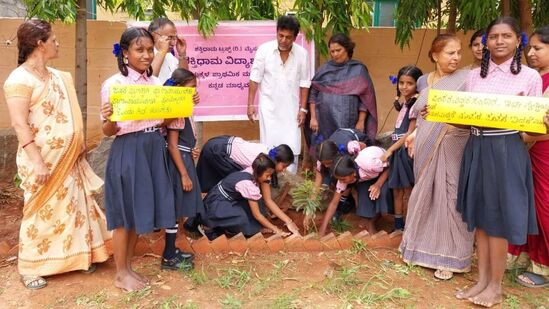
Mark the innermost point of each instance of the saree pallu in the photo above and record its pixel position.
(534, 255)
(340, 92)
(435, 236)
(62, 229)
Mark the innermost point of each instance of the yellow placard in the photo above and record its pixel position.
(488, 110)
(139, 102)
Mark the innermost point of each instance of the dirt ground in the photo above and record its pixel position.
(357, 278)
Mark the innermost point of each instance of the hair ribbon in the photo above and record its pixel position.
(342, 149)
(393, 79)
(170, 82)
(319, 139)
(272, 153)
(116, 50)
(523, 39)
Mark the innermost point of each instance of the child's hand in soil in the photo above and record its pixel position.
(292, 227)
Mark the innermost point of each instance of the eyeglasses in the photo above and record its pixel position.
(169, 37)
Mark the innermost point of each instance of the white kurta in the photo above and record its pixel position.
(279, 88)
(170, 64)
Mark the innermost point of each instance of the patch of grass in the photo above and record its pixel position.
(358, 246)
(135, 296)
(403, 269)
(171, 302)
(284, 301)
(271, 278)
(96, 300)
(230, 302)
(366, 297)
(512, 302)
(234, 278)
(536, 301)
(198, 277)
(341, 282)
(341, 226)
(190, 305)
(510, 277)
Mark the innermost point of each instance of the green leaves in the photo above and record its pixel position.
(52, 10)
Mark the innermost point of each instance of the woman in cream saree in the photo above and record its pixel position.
(62, 228)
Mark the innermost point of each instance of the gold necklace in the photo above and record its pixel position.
(43, 76)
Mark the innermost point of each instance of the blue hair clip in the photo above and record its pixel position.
(319, 139)
(116, 50)
(393, 79)
(342, 149)
(523, 39)
(272, 153)
(483, 39)
(170, 82)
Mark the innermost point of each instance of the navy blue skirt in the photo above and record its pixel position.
(495, 190)
(187, 204)
(234, 216)
(138, 189)
(401, 170)
(215, 162)
(369, 208)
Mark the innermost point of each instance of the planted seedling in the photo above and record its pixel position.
(308, 201)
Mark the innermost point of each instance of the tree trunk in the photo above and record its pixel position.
(439, 16)
(525, 15)
(452, 16)
(505, 7)
(81, 60)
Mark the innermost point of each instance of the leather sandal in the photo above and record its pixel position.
(33, 282)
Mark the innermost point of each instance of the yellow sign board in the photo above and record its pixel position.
(139, 102)
(488, 110)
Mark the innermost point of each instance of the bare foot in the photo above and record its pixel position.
(127, 282)
(467, 293)
(139, 277)
(490, 296)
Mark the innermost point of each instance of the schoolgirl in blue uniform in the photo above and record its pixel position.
(187, 194)
(401, 176)
(368, 175)
(232, 205)
(342, 141)
(138, 190)
(225, 154)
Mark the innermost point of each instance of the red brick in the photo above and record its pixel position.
(311, 242)
(4, 248)
(238, 243)
(294, 243)
(183, 243)
(395, 233)
(379, 234)
(141, 247)
(157, 247)
(275, 243)
(345, 240)
(362, 235)
(329, 242)
(220, 244)
(257, 243)
(202, 245)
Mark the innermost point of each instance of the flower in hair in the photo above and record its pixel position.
(483, 39)
(342, 149)
(393, 79)
(116, 50)
(170, 82)
(523, 39)
(319, 139)
(272, 153)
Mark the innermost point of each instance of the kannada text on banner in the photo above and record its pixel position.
(520, 113)
(138, 102)
(223, 62)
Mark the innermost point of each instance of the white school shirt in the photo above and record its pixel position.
(170, 64)
(279, 87)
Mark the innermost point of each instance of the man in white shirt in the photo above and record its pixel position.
(281, 72)
(166, 41)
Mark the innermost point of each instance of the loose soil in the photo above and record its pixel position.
(355, 278)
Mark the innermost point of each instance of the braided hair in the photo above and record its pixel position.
(131, 35)
(415, 73)
(516, 62)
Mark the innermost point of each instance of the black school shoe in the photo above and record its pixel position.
(181, 261)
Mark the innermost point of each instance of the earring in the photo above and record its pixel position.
(125, 60)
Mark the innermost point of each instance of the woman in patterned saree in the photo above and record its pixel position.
(435, 236)
(62, 228)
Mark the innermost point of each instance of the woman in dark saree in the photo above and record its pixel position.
(342, 95)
